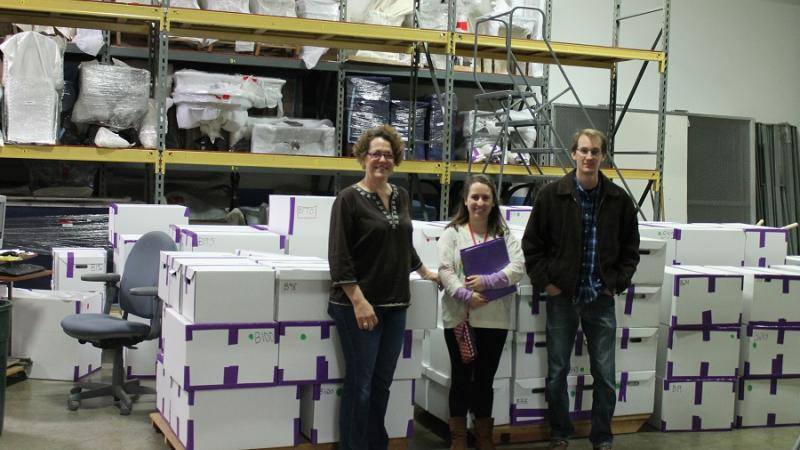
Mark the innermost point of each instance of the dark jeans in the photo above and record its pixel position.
(471, 384)
(370, 359)
(599, 325)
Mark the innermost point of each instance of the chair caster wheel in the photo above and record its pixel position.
(124, 410)
(76, 390)
(73, 405)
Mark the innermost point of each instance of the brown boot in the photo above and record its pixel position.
(458, 433)
(484, 433)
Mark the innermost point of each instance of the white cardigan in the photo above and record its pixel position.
(498, 313)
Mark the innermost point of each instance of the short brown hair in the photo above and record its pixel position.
(361, 147)
(591, 133)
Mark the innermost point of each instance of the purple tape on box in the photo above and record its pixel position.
(623, 387)
(291, 215)
(177, 234)
(626, 336)
(233, 336)
(529, 341)
(231, 327)
(579, 393)
(316, 391)
(408, 340)
(579, 343)
(535, 299)
(283, 241)
(629, 300)
(322, 368)
(676, 234)
(231, 375)
(298, 393)
(260, 227)
(777, 365)
(697, 423)
(762, 262)
(786, 285)
(185, 212)
(771, 419)
(70, 264)
(77, 307)
(191, 235)
(190, 434)
(707, 325)
(296, 431)
(314, 436)
(410, 428)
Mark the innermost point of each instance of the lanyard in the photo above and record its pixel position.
(485, 236)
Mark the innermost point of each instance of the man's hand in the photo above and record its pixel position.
(552, 290)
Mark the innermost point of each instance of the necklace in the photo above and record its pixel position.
(485, 236)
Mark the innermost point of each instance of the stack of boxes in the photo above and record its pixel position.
(368, 104)
(304, 220)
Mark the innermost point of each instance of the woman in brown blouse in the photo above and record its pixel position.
(371, 256)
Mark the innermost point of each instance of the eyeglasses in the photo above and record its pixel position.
(585, 151)
(378, 155)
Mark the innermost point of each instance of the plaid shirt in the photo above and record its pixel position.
(589, 282)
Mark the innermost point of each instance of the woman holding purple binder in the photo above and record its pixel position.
(477, 310)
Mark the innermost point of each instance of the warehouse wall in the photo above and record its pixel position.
(727, 57)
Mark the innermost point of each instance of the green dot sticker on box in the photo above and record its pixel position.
(583, 369)
(572, 393)
(733, 336)
(339, 392)
(749, 387)
(250, 336)
(755, 345)
(617, 386)
(303, 337)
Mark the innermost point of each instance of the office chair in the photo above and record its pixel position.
(137, 290)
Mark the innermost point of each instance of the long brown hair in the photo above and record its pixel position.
(497, 225)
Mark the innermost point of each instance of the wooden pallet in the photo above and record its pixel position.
(507, 434)
(161, 426)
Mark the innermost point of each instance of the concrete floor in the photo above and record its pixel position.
(36, 418)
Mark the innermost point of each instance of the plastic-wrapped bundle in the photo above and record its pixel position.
(87, 228)
(247, 91)
(294, 137)
(316, 9)
(401, 120)
(148, 133)
(369, 88)
(387, 12)
(240, 6)
(434, 132)
(112, 96)
(283, 8)
(33, 76)
(368, 104)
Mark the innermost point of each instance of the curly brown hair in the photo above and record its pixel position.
(361, 147)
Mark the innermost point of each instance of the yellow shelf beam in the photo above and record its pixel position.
(628, 174)
(275, 161)
(296, 31)
(81, 14)
(79, 153)
(570, 54)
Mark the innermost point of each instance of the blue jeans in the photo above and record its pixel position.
(599, 323)
(370, 359)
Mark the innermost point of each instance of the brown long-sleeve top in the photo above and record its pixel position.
(371, 246)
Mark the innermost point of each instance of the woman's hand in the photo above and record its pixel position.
(365, 315)
(477, 300)
(429, 275)
(474, 283)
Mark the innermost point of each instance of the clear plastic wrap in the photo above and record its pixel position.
(194, 86)
(240, 6)
(33, 77)
(392, 13)
(368, 104)
(51, 230)
(316, 9)
(297, 137)
(112, 96)
(434, 132)
(368, 88)
(401, 120)
(62, 178)
(283, 8)
(147, 135)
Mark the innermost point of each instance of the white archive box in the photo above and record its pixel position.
(140, 219)
(793, 260)
(652, 257)
(422, 313)
(319, 412)
(279, 257)
(701, 404)
(228, 294)
(176, 229)
(763, 246)
(770, 295)
(399, 420)
(425, 238)
(767, 402)
(701, 295)
(204, 356)
(36, 333)
(697, 244)
(301, 294)
(140, 361)
(231, 419)
(529, 355)
(638, 307)
(517, 215)
(223, 241)
(310, 352)
(437, 358)
(123, 247)
(699, 352)
(163, 403)
(529, 405)
(433, 389)
(167, 274)
(770, 349)
(70, 263)
(531, 309)
(635, 351)
(306, 220)
(176, 273)
(635, 391)
(409, 363)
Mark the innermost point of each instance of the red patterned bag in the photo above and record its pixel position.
(465, 336)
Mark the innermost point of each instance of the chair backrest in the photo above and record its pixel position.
(141, 270)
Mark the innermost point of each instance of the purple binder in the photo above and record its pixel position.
(487, 258)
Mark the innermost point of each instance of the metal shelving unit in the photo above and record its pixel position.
(161, 23)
